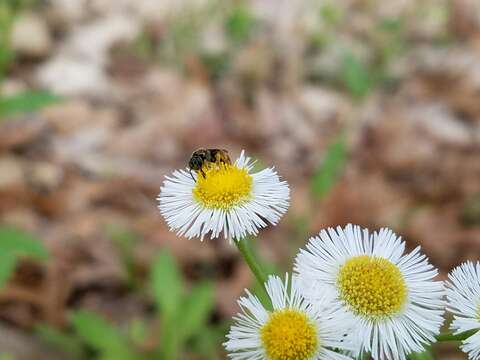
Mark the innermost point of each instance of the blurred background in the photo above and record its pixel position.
(370, 110)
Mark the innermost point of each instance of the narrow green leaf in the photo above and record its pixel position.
(6, 57)
(195, 310)
(97, 332)
(125, 241)
(21, 243)
(14, 244)
(208, 342)
(170, 346)
(7, 266)
(120, 354)
(166, 285)
(239, 24)
(26, 102)
(330, 14)
(65, 342)
(356, 76)
(328, 171)
(138, 331)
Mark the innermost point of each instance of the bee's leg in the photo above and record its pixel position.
(202, 172)
(190, 170)
(225, 159)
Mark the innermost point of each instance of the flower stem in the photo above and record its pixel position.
(449, 336)
(247, 253)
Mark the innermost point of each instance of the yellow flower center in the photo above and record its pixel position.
(289, 335)
(223, 186)
(372, 286)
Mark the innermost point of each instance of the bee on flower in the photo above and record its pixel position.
(293, 330)
(391, 296)
(222, 198)
(463, 296)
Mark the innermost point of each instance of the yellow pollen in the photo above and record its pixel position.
(372, 286)
(223, 187)
(289, 335)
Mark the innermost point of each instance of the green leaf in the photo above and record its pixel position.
(239, 24)
(120, 354)
(7, 266)
(98, 333)
(138, 331)
(327, 173)
(195, 310)
(391, 25)
(14, 244)
(125, 241)
(356, 76)
(123, 237)
(26, 102)
(6, 57)
(166, 284)
(330, 14)
(6, 357)
(65, 342)
(21, 243)
(208, 342)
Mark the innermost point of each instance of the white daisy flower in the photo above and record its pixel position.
(228, 198)
(463, 295)
(294, 330)
(390, 295)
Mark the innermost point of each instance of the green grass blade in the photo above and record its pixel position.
(356, 77)
(166, 284)
(26, 102)
(65, 342)
(327, 173)
(195, 310)
(96, 332)
(15, 243)
(7, 266)
(21, 243)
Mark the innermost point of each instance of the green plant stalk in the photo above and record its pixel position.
(247, 253)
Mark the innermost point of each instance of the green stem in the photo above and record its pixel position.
(449, 336)
(247, 253)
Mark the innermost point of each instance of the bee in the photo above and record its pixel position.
(205, 157)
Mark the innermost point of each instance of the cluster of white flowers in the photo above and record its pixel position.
(353, 292)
